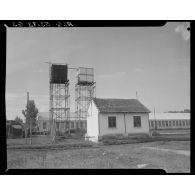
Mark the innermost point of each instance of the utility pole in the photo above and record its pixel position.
(136, 95)
(30, 131)
(26, 129)
(155, 122)
(29, 118)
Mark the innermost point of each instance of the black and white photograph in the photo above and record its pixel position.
(98, 97)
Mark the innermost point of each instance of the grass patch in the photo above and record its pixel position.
(114, 140)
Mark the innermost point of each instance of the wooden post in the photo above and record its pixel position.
(26, 128)
(54, 131)
(155, 122)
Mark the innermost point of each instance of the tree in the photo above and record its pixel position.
(30, 113)
(19, 120)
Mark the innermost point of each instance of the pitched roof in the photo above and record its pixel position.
(169, 116)
(120, 105)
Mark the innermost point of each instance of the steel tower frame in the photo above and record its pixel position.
(83, 97)
(84, 93)
(59, 108)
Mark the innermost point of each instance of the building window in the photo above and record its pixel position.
(77, 124)
(85, 124)
(152, 123)
(72, 125)
(137, 121)
(81, 124)
(62, 125)
(111, 121)
(67, 124)
(57, 125)
(159, 123)
(44, 125)
(177, 123)
(166, 123)
(183, 123)
(163, 123)
(173, 123)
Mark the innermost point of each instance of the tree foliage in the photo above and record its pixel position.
(30, 113)
(18, 119)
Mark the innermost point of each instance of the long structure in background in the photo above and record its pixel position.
(59, 99)
(85, 91)
(169, 121)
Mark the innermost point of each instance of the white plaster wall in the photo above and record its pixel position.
(105, 130)
(130, 124)
(92, 121)
(120, 124)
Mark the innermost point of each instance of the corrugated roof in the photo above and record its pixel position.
(169, 116)
(120, 105)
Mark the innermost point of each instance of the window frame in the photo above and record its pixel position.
(139, 121)
(163, 123)
(57, 125)
(152, 123)
(67, 125)
(109, 118)
(159, 123)
(81, 124)
(72, 124)
(44, 125)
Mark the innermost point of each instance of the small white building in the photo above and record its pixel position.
(116, 116)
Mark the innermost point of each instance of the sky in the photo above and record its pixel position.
(154, 61)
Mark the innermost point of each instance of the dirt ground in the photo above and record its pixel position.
(162, 154)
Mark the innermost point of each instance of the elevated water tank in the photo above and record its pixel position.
(85, 75)
(58, 74)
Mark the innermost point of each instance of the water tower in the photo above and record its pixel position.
(84, 92)
(59, 99)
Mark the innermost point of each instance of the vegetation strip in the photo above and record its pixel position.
(52, 146)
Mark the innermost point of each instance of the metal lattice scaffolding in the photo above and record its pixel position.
(85, 91)
(59, 107)
(83, 97)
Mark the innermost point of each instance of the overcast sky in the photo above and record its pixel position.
(154, 61)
